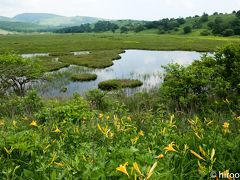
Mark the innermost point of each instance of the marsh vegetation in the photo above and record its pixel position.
(184, 128)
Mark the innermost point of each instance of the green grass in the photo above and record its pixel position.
(84, 77)
(104, 47)
(109, 41)
(50, 64)
(96, 59)
(119, 83)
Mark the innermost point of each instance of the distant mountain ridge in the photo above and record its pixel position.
(46, 19)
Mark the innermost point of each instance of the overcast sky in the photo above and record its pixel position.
(119, 9)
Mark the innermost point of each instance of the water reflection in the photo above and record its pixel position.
(34, 55)
(135, 64)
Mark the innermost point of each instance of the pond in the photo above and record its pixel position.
(134, 64)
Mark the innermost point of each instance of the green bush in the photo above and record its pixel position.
(228, 32)
(74, 111)
(205, 84)
(187, 29)
(205, 33)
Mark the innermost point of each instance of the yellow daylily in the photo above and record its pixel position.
(100, 116)
(170, 148)
(197, 155)
(150, 173)
(107, 117)
(33, 123)
(129, 118)
(172, 122)
(134, 140)
(106, 131)
(123, 169)
(59, 164)
(14, 124)
(57, 130)
(141, 133)
(212, 154)
(226, 127)
(160, 156)
(135, 165)
(202, 151)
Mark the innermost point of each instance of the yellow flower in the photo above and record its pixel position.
(150, 173)
(134, 140)
(108, 117)
(141, 133)
(60, 164)
(202, 151)
(172, 122)
(170, 148)
(33, 123)
(212, 154)
(197, 155)
(201, 168)
(106, 131)
(14, 124)
(186, 147)
(226, 127)
(160, 156)
(122, 168)
(57, 130)
(2, 122)
(100, 116)
(135, 165)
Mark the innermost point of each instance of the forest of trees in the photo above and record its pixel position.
(216, 24)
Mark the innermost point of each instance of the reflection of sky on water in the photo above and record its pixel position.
(135, 64)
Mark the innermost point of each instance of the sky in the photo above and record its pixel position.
(119, 9)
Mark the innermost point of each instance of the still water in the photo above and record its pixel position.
(134, 64)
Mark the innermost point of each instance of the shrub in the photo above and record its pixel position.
(228, 32)
(205, 33)
(187, 29)
(199, 86)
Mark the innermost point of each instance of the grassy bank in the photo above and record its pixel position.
(119, 83)
(83, 77)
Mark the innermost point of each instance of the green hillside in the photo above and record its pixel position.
(53, 20)
(22, 26)
(215, 24)
(3, 18)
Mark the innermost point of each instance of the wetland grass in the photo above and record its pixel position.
(119, 83)
(84, 77)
